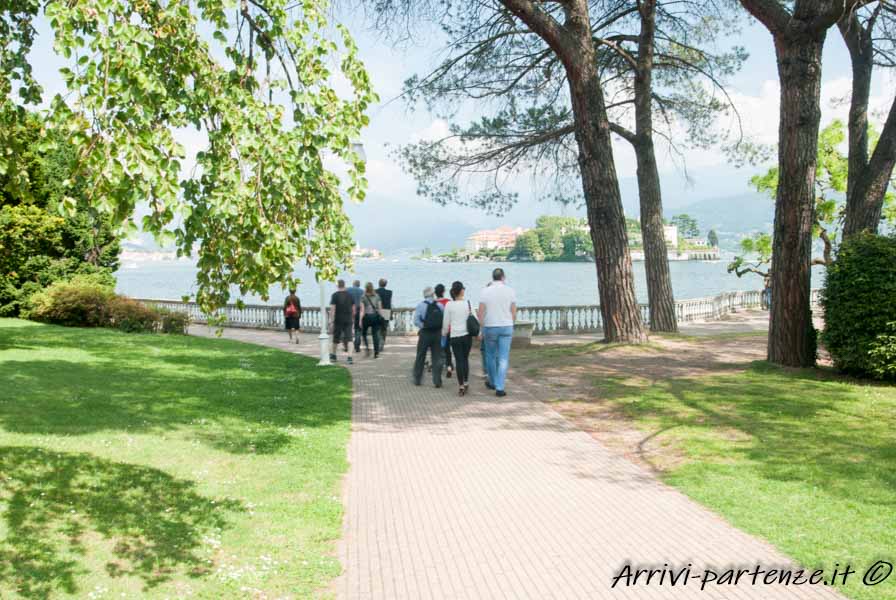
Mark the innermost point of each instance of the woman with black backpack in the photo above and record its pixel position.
(462, 325)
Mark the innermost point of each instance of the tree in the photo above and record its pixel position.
(798, 30)
(713, 238)
(830, 204)
(635, 46)
(830, 187)
(37, 245)
(577, 246)
(687, 225)
(755, 258)
(550, 231)
(869, 32)
(259, 198)
(528, 247)
(567, 32)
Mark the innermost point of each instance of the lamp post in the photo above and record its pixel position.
(324, 337)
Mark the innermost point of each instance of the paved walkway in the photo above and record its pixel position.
(480, 497)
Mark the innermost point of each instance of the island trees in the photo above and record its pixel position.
(687, 225)
(259, 92)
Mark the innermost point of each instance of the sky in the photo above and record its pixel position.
(394, 217)
(392, 200)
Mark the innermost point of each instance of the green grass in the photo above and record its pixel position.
(166, 466)
(803, 459)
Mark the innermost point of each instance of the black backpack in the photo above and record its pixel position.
(433, 318)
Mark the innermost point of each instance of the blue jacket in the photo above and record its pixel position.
(356, 293)
(420, 312)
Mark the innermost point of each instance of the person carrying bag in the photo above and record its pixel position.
(372, 318)
(461, 325)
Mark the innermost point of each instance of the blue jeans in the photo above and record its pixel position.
(497, 353)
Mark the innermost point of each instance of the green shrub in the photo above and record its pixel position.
(173, 321)
(882, 356)
(89, 301)
(859, 300)
(82, 301)
(131, 316)
(38, 247)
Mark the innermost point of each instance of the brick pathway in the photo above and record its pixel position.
(480, 497)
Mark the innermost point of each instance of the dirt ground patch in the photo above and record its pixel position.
(575, 380)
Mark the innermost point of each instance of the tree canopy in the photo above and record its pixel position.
(529, 126)
(554, 238)
(687, 225)
(253, 78)
(37, 244)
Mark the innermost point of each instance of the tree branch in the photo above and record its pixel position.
(541, 23)
(627, 134)
(770, 13)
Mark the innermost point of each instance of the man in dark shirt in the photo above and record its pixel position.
(342, 316)
(386, 300)
(356, 292)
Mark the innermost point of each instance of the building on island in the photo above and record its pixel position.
(371, 253)
(502, 238)
(670, 233)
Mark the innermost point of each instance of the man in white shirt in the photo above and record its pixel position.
(497, 313)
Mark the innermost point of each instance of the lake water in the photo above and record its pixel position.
(536, 284)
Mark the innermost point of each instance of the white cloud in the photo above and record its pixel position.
(436, 130)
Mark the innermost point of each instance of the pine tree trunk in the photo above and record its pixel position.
(867, 177)
(791, 335)
(865, 201)
(573, 43)
(860, 49)
(616, 282)
(656, 259)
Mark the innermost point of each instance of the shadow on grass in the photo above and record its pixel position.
(153, 523)
(790, 425)
(236, 397)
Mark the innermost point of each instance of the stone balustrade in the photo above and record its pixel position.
(545, 319)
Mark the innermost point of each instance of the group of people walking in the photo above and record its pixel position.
(446, 327)
(357, 313)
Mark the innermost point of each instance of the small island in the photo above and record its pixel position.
(366, 253)
(567, 239)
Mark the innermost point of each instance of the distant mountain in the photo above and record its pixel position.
(730, 215)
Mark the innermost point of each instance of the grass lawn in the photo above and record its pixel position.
(166, 466)
(804, 459)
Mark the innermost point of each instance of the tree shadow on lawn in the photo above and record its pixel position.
(236, 397)
(153, 523)
(791, 425)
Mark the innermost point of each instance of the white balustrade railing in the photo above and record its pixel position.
(545, 319)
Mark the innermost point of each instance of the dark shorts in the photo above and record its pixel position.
(342, 332)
